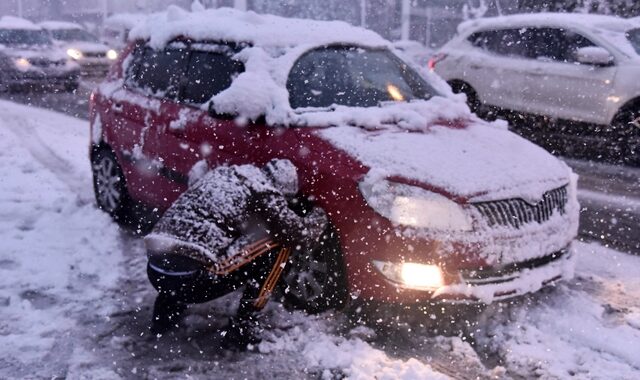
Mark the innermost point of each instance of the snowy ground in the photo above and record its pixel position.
(74, 300)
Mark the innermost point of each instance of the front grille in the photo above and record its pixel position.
(95, 55)
(43, 62)
(508, 272)
(517, 212)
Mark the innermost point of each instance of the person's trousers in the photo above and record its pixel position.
(181, 280)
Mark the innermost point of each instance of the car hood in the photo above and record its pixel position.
(50, 53)
(468, 160)
(85, 47)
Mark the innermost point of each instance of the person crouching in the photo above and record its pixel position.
(232, 228)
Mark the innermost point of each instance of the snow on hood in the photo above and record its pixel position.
(85, 46)
(11, 22)
(478, 162)
(48, 52)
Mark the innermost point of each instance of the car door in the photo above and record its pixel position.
(497, 67)
(558, 85)
(185, 133)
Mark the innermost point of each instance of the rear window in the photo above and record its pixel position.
(208, 74)
(158, 71)
(509, 42)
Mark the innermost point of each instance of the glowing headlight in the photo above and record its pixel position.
(22, 63)
(112, 54)
(412, 275)
(413, 206)
(74, 53)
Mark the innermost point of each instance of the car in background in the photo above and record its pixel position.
(116, 28)
(414, 51)
(575, 67)
(29, 59)
(94, 57)
(427, 202)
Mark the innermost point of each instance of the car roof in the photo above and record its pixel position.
(588, 21)
(11, 22)
(55, 25)
(231, 25)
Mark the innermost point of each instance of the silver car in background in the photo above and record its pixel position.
(94, 57)
(30, 60)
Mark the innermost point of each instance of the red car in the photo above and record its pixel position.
(427, 202)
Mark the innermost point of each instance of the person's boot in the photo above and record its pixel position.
(167, 313)
(242, 332)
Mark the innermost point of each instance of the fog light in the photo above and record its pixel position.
(112, 54)
(412, 275)
(74, 53)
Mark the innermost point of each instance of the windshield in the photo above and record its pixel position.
(23, 37)
(354, 77)
(633, 36)
(73, 35)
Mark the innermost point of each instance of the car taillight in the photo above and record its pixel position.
(435, 59)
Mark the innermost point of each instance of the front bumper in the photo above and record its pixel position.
(94, 67)
(40, 78)
(487, 286)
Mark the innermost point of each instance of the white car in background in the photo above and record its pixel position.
(94, 57)
(577, 67)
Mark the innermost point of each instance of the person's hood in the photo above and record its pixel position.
(468, 160)
(42, 52)
(84, 46)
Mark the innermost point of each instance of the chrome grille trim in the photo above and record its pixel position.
(516, 212)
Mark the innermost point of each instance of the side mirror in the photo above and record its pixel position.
(594, 55)
(220, 116)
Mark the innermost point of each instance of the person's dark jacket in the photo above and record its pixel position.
(227, 208)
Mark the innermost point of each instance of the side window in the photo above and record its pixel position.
(208, 74)
(158, 71)
(507, 42)
(556, 44)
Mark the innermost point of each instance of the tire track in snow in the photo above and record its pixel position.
(27, 132)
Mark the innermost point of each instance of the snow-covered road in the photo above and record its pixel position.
(74, 300)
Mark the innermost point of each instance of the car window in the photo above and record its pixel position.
(208, 73)
(354, 77)
(556, 44)
(508, 42)
(158, 72)
(633, 36)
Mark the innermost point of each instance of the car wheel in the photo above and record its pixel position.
(627, 131)
(316, 281)
(109, 184)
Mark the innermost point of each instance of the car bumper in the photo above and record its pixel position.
(41, 78)
(94, 67)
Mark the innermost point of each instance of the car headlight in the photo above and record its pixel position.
(415, 207)
(74, 53)
(112, 54)
(412, 275)
(22, 63)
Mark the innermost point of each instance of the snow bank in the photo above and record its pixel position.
(336, 356)
(59, 253)
(583, 330)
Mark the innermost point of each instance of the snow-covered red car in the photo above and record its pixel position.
(428, 202)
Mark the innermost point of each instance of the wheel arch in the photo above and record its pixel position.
(631, 104)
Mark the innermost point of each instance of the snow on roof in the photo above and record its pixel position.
(550, 19)
(53, 25)
(125, 20)
(226, 24)
(11, 22)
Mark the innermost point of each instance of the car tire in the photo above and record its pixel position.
(71, 86)
(626, 128)
(316, 281)
(460, 87)
(109, 184)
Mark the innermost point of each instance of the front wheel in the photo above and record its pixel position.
(316, 281)
(109, 184)
(627, 133)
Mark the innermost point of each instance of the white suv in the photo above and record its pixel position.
(584, 68)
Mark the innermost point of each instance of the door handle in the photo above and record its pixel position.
(117, 107)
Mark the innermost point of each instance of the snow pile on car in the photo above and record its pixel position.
(11, 22)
